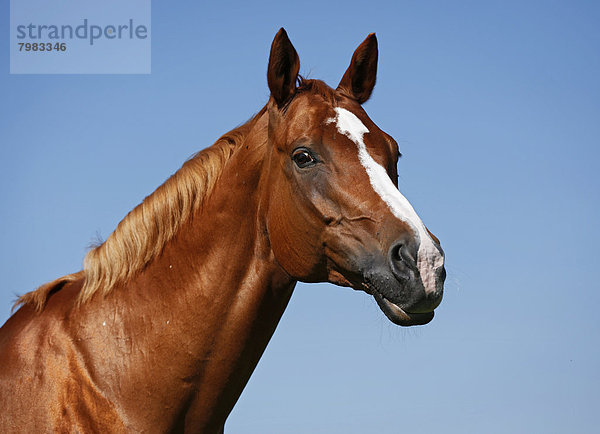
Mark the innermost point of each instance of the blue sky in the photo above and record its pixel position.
(496, 107)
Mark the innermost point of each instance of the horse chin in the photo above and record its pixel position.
(399, 316)
(377, 284)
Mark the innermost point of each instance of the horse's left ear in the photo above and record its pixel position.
(359, 80)
(284, 65)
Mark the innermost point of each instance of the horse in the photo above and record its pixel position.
(163, 326)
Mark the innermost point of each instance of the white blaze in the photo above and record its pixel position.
(429, 257)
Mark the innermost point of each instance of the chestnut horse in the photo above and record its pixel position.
(164, 325)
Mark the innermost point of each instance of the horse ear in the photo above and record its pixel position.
(359, 80)
(284, 65)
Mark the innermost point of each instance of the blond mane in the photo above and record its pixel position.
(141, 236)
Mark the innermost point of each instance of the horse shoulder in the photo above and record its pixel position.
(53, 390)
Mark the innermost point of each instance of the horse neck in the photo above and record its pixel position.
(213, 299)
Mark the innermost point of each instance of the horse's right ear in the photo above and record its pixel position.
(359, 80)
(284, 65)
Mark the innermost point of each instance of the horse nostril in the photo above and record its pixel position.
(403, 259)
(395, 253)
(404, 253)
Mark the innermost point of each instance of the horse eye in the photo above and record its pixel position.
(303, 158)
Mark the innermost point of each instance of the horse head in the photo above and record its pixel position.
(333, 209)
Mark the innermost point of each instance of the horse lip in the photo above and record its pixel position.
(395, 313)
(398, 315)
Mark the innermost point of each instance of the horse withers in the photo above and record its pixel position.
(164, 325)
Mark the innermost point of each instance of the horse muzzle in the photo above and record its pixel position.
(407, 287)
